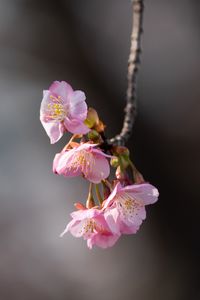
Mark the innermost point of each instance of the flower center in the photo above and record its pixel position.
(89, 226)
(128, 205)
(92, 226)
(84, 160)
(56, 109)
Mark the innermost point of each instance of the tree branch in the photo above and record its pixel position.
(133, 63)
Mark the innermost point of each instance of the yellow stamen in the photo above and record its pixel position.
(56, 110)
(84, 160)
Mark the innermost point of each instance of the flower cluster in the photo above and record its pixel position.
(118, 205)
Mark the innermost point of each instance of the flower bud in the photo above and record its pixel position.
(120, 175)
(114, 162)
(124, 162)
(92, 118)
(93, 135)
(138, 178)
(100, 127)
(79, 206)
(121, 150)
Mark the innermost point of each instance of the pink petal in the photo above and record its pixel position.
(78, 107)
(44, 103)
(62, 89)
(85, 214)
(103, 240)
(45, 93)
(68, 227)
(112, 218)
(146, 192)
(89, 243)
(139, 214)
(74, 227)
(86, 146)
(131, 229)
(98, 151)
(65, 164)
(77, 229)
(100, 169)
(111, 197)
(55, 162)
(76, 126)
(54, 130)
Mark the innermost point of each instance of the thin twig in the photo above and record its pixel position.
(133, 63)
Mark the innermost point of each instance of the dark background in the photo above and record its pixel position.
(86, 42)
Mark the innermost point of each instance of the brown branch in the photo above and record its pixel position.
(133, 63)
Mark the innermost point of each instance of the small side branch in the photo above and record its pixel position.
(133, 63)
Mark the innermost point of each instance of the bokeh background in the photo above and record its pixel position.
(87, 44)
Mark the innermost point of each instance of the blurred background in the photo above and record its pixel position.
(87, 44)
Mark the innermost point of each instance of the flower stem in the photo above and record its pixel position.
(98, 194)
(74, 136)
(90, 200)
(108, 184)
(90, 188)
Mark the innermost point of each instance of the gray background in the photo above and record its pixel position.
(86, 42)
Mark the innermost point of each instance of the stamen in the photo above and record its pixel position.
(129, 206)
(56, 110)
(84, 160)
(91, 226)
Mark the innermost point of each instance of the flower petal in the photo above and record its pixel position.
(111, 197)
(85, 214)
(131, 229)
(54, 130)
(146, 192)
(78, 107)
(111, 216)
(103, 240)
(99, 170)
(135, 217)
(61, 88)
(66, 165)
(75, 227)
(76, 126)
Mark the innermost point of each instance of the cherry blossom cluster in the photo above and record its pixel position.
(114, 206)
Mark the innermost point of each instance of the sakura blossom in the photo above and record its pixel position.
(91, 225)
(114, 206)
(63, 109)
(124, 209)
(85, 160)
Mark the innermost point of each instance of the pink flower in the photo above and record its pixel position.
(125, 207)
(82, 160)
(63, 109)
(91, 225)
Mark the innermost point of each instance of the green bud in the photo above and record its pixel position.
(121, 150)
(114, 162)
(124, 161)
(93, 135)
(92, 118)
